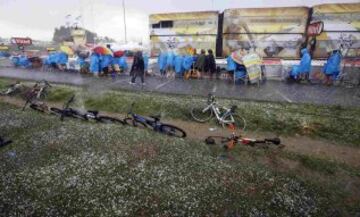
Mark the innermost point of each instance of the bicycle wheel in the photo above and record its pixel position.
(171, 130)
(200, 114)
(110, 120)
(135, 123)
(240, 122)
(75, 114)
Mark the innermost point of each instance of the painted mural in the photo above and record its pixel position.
(341, 29)
(274, 32)
(182, 32)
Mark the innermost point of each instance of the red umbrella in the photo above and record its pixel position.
(119, 53)
(102, 50)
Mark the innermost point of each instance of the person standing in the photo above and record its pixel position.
(211, 64)
(138, 68)
(200, 63)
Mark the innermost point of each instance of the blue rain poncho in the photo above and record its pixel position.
(231, 65)
(61, 58)
(94, 63)
(305, 64)
(15, 61)
(123, 63)
(24, 62)
(106, 60)
(170, 59)
(146, 62)
(80, 61)
(179, 59)
(332, 66)
(162, 61)
(240, 71)
(187, 62)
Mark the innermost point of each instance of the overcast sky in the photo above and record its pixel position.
(38, 18)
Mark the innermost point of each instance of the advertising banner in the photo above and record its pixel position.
(274, 32)
(341, 29)
(182, 44)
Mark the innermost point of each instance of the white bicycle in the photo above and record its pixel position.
(203, 112)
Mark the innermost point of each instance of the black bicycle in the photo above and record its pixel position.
(67, 111)
(38, 92)
(153, 122)
(4, 142)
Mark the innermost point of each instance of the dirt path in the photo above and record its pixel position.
(297, 144)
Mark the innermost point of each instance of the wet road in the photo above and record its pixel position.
(270, 91)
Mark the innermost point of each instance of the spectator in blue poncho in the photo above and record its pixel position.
(162, 62)
(331, 68)
(230, 66)
(146, 62)
(106, 61)
(122, 63)
(24, 62)
(302, 70)
(95, 64)
(179, 70)
(170, 62)
(16, 61)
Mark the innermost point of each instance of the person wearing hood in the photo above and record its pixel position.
(106, 61)
(170, 63)
(302, 70)
(179, 70)
(200, 63)
(331, 68)
(230, 67)
(211, 63)
(138, 68)
(162, 63)
(95, 64)
(146, 62)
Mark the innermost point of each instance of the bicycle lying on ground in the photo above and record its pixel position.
(38, 92)
(12, 89)
(204, 112)
(229, 142)
(153, 122)
(67, 111)
(4, 142)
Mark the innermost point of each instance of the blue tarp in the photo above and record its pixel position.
(332, 66)
(305, 64)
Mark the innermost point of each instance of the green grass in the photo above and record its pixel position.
(334, 123)
(70, 168)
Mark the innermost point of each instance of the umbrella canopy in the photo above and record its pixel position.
(67, 50)
(237, 56)
(102, 50)
(119, 53)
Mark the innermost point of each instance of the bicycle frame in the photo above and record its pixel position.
(221, 118)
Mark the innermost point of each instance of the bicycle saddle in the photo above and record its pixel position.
(156, 117)
(233, 108)
(93, 112)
